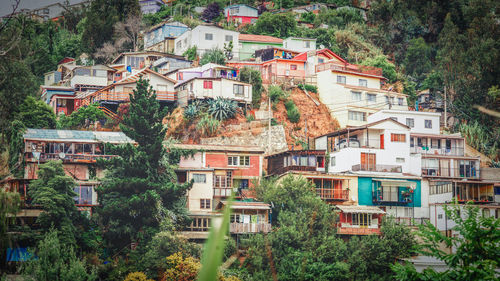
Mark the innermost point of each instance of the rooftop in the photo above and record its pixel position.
(260, 38)
(74, 135)
(360, 209)
(210, 147)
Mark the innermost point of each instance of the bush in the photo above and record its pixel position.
(253, 77)
(190, 53)
(191, 112)
(137, 276)
(208, 126)
(276, 93)
(309, 88)
(216, 56)
(222, 109)
(293, 115)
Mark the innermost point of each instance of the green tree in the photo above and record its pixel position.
(417, 61)
(388, 68)
(216, 56)
(56, 261)
(10, 203)
(82, 118)
(36, 114)
(476, 252)
(191, 53)
(279, 25)
(253, 77)
(339, 18)
(53, 192)
(140, 189)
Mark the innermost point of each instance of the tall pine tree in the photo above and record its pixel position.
(140, 189)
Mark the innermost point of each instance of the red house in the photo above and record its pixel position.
(241, 14)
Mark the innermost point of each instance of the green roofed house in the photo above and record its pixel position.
(249, 43)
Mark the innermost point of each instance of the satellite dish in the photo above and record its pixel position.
(62, 155)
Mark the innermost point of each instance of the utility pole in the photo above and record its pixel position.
(445, 109)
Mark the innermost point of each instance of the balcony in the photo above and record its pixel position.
(237, 228)
(466, 172)
(349, 229)
(454, 151)
(392, 195)
(123, 96)
(377, 168)
(333, 194)
(82, 158)
(369, 70)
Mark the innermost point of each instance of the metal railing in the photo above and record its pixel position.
(122, 96)
(332, 193)
(237, 227)
(458, 151)
(377, 168)
(412, 221)
(370, 70)
(470, 172)
(357, 230)
(282, 170)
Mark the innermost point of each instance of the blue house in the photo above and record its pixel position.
(161, 37)
(400, 197)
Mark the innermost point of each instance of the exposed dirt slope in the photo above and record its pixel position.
(319, 119)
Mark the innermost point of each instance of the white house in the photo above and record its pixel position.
(212, 87)
(353, 92)
(420, 122)
(299, 44)
(206, 37)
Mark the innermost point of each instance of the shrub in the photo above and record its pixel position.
(292, 111)
(253, 77)
(191, 53)
(289, 104)
(309, 88)
(191, 112)
(276, 93)
(216, 56)
(208, 126)
(137, 276)
(222, 109)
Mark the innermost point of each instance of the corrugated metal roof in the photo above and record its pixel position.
(76, 136)
(360, 209)
(260, 38)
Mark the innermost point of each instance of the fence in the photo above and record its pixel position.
(377, 168)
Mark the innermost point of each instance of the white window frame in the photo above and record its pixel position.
(209, 35)
(341, 79)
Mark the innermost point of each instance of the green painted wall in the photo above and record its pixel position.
(248, 48)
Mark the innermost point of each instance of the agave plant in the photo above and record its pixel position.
(191, 112)
(222, 109)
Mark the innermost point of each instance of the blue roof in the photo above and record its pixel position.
(18, 254)
(76, 136)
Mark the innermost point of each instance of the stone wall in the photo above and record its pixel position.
(254, 137)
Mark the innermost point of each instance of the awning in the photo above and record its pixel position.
(384, 182)
(360, 209)
(239, 205)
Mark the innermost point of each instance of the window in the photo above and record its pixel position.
(372, 98)
(199, 178)
(363, 83)
(486, 213)
(400, 101)
(440, 216)
(207, 85)
(320, 60)
(356, 96)
(362, 219)
(340, 79)
(428, 124)
(235, 218)
(387, 99)
(357, 116)
(243, 184)
(293, 67)
(205, 203)
(307, 44)
(229, 38)
(400, 160)
(333, 161)
(398, 137)
(238, 90)
(392, 100)
(410, 122)
(209, 36)
(200, 224)
(238, 160)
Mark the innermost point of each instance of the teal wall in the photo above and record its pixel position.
(365, 192)
(247, 52)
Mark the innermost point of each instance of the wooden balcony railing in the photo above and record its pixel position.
(236, 227)
(282, 170)
(470, 172)
(121, 96)
(67, 157)
(332, 194)
(358, 231)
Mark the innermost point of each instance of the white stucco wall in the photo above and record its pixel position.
(419, 118)
(200, 191)
(196, 37)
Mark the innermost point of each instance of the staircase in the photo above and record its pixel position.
(108, 112)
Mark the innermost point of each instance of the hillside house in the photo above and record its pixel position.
(116, 93)
(359, 220)
(78, 150)
(209, 70)
(248, 217)
(57, 97)
(212, 88)
(249, 43)
(353, 92)
(241, 14)
(205, 38)
(145, 59)
(216, 172)
(152, 6)
(83, 78)
(299, 44)
(161, 37)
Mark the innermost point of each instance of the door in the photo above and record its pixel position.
(382, 141)
(444, 169)
(368, 161)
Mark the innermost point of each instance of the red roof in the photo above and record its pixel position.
(260, 38)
